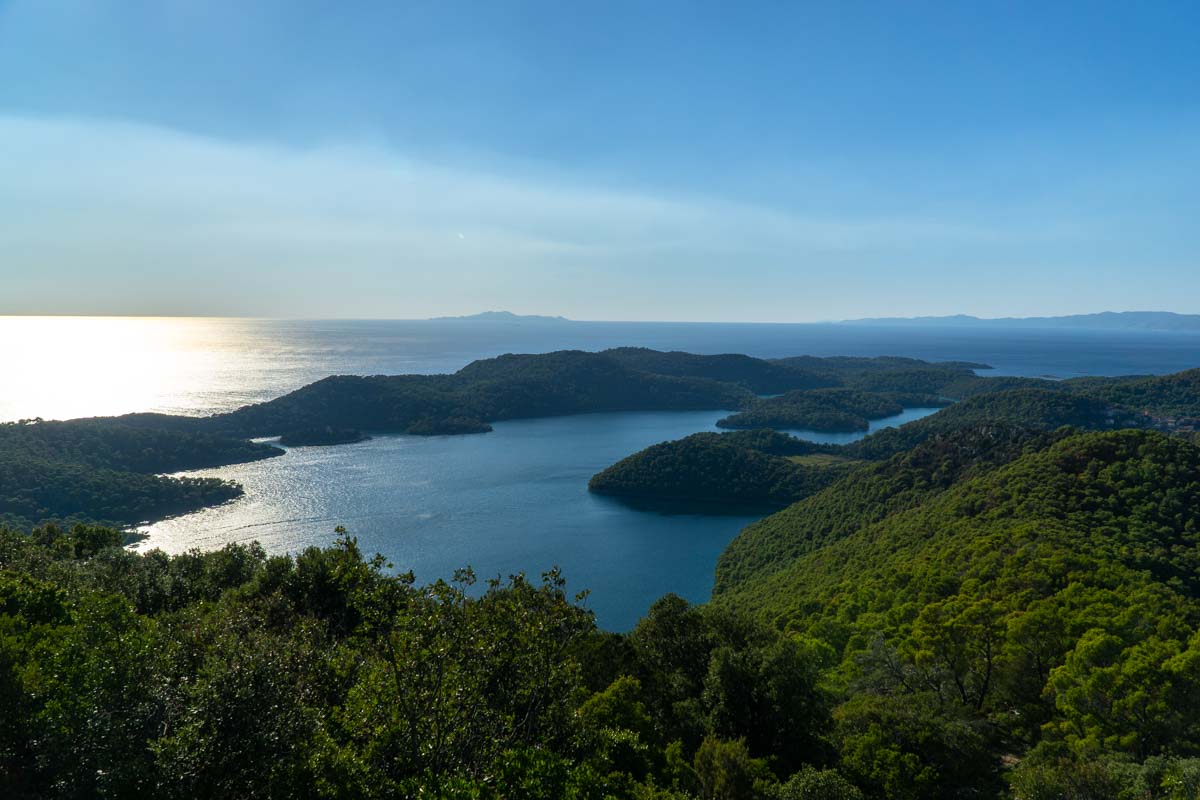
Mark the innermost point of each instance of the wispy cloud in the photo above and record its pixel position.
(199, 225)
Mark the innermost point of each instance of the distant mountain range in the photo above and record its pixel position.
(1107, 320)
(500, 316)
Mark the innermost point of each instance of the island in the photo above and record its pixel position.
(499, 316)
(118, 470)
(743, 470)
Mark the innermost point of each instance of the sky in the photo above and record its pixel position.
(660, 160)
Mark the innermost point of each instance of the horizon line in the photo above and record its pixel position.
(554, 318)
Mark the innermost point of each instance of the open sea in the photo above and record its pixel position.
(512, 500)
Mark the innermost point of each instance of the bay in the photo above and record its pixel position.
(514, 500)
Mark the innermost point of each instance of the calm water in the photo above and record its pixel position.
(507, 501)
(512, 500)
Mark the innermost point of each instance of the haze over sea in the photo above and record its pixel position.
(512, 500)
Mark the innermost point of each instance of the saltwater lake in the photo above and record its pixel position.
(512, 500)
(504, 502)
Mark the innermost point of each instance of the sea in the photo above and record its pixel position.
(514, 500)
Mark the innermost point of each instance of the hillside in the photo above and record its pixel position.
(573, 382)
(506, 387)
(102, 469)
(1171, 396)
(662, 470)
(873, 492)
(1053, 599)
(1033, 409)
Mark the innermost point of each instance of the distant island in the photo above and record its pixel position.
(1161, 321)
(499, 316)
(1106, 320)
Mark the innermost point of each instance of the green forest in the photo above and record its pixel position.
(997, 613)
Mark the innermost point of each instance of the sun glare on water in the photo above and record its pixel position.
(67, 367)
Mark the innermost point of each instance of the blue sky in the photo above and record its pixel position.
(654, 160)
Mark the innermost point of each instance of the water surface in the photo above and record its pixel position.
(503, 502)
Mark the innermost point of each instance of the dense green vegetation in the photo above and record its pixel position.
(739, 469)
(665, 471)
(123, 443)
(106, 469)
(1045, 608)
(882, 387)
(234, 674)
(873, 492)
(1033, 409)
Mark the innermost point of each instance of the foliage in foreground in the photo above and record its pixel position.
(1025, 628)
(236, 674)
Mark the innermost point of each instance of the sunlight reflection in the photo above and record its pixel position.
(64, 367)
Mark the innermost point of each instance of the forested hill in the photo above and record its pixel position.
(1171, 396)
(507, 387)
(1047, 606)
(564, 382)
(722, 471)
(828, 410)
(1032, 409)
(871, 493)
